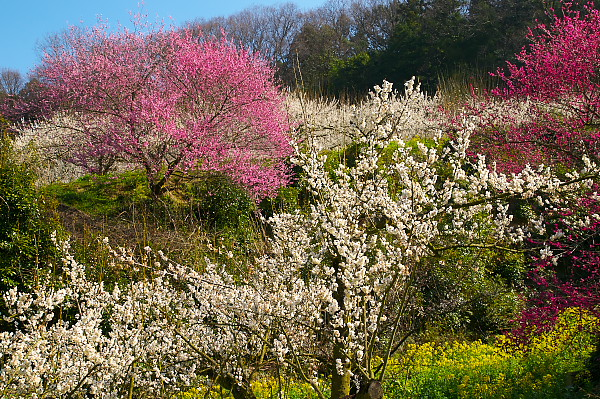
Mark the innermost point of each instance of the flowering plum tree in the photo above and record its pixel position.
(548, 110)
(167, 101)
(332, 296)
(374, 219)
(560, 64)
(566, 273)
(548, 113)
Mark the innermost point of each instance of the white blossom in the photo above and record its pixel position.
(332, 280)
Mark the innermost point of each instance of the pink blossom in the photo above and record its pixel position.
(169, 102)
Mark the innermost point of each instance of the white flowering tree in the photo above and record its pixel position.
(372, 220)
(330, 298)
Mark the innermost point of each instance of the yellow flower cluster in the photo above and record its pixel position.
(547, 367)
(263, 388)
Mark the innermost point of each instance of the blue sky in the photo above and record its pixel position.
(23, 23)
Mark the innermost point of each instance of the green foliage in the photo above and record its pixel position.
(219, 202)
(348, 155)
(351, 75)
(471, 292)
(413, 143)
(214, 200)
(434, 40)
(344, 156)
(26, 224)
(551, 366)
(4, 127)
(227, 214)
(593, 364)
(288, 199)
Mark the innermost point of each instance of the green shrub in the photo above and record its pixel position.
(26, 223)
(287, 200)
(220, 203)
(471, 293)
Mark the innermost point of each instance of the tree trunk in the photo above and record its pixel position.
(370, 390)
(157, 189)
(239, 390)
(340, 384)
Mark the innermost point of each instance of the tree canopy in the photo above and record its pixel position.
(167, 101)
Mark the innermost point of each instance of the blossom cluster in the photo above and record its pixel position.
(548, 107)
(329, 124)
(165, 100)
(332, 292)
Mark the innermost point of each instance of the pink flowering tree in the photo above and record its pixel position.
(566, 271)
(560, 65)
(168, 102)
(548, 113)
(549, 106)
